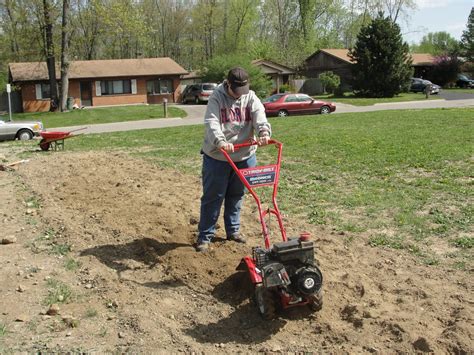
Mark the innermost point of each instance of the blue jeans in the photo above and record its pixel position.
(220, 183)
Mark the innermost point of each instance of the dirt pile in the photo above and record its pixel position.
(113, 236)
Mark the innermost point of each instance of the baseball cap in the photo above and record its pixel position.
(238, 80)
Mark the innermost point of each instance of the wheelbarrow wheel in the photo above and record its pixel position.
(44, 145)
(266, 303)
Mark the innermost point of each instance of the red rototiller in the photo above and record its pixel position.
(285, 274)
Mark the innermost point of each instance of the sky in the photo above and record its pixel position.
(436, 16)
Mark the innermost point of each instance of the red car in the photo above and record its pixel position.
(295, 104)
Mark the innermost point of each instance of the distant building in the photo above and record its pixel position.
(279, 73)
(101, 82)
(339, 62)
(422, 63)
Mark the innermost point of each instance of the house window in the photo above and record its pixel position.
(114, 87)
(159, 86)
(42, 91)
(45, 91)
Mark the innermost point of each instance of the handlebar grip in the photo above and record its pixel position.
(253, 142)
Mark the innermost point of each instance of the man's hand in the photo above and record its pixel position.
(228, 147)
(263, 140)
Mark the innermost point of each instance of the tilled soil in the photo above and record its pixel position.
(140, 286)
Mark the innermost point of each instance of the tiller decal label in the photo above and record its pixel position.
(260, 175)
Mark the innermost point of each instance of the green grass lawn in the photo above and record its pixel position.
(100, 115)
(399, 179)
(351, 99)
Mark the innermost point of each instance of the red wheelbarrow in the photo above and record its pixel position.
(55, 139)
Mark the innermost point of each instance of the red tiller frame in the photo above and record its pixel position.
(262, 214)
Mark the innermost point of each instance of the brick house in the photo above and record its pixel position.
(278, 73)
(339, 62)
(101, 82)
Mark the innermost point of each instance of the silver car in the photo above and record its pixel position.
(22, 130)
(197, 93)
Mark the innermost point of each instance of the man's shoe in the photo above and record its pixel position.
(236, 237)
(202, 247)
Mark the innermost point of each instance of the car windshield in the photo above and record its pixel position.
(272, 98)
(209, 86)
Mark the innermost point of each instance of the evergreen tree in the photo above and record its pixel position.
(382, 63)
(467, 38)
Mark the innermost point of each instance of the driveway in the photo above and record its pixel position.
(451, 95)
(196, 115)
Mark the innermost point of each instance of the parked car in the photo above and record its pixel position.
(21, 130)
(464, 81)
(295, 104)
(419, 85)
(198, 93)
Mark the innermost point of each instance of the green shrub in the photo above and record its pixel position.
(285, 88)
(330, 81)
(217, 68)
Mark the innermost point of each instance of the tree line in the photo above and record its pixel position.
(191, 32)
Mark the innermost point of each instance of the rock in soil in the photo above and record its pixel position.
(53, 310)
(9, 239)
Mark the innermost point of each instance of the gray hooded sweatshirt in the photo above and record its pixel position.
(228, 120)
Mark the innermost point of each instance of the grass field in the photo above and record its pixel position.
(100, 115)
(351, 99)
(400, 179)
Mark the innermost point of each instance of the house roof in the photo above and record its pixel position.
(270, 67)
(343, 54)
(422, 59)
(83, 69)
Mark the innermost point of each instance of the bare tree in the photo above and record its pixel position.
(395, 8)
(87, 22)
(13, 36)
(50, 61)
(65, 35)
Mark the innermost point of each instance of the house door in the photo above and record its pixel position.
(86, 93)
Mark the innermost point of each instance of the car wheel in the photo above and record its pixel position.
(325, 110)
(282, 113)
(25, 135)
(196, 101)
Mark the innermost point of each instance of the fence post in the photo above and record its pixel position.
(165, 107)
(427, 91)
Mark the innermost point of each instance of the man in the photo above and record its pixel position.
(234, 115)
